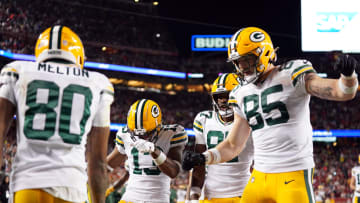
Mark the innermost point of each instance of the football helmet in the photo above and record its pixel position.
(251, 42)
(60, 42)
(221, 88)
(144, 119)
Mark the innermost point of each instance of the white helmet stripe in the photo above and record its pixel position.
(139, 113)
(55, 37)
(222, 80)
(234, 41)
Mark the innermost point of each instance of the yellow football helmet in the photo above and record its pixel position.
(252, 41)
(144, 119)
(60, 42)
(222, 86)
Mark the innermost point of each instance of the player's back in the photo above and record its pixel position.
(56, 104)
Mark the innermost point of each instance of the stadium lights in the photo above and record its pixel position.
(105, 66)
(195, 75)
(318, 135)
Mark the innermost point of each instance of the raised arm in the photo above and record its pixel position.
(341, 89)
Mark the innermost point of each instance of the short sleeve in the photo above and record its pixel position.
(235, 103)
(119, 143)
(298, 70)
(102, 116)
(198, 127)
(179, 137)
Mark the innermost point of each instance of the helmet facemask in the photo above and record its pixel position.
(222, 107)
(246, 68)
(142, 134)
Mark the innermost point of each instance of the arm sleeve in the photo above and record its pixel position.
(102, 116)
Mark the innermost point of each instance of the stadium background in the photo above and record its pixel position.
(142, 34)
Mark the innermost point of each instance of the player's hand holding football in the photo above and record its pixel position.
(191, 159)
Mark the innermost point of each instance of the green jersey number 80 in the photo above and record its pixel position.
(44, 110)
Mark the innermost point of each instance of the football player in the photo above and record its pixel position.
(224, 182)
(355, 182)
(59, 108)
(153, 151)
(273, 104)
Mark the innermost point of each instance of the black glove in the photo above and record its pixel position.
(345, 64)
(191, 159)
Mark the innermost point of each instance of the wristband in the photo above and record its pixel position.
(352, 76)
(212, 156)
(160, 159)
(345, 89)
(195, 190)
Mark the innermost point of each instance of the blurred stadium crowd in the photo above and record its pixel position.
(140, 40)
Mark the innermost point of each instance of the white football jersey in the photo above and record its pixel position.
(278, 112)
(228, 179)
(146, 181)
(56, 106)
(355, 172)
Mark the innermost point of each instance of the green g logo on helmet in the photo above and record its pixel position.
(257, 36)
(155, 111)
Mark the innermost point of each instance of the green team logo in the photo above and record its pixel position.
(257, 36)
(155, 111)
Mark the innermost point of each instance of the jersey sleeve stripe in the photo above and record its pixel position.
(179, 138)
(300, 70)
(119, 142)
(107, 92)
(295, 77)
(198, 129)
(179, 141)
(9, 70)
(233, 102)
(178, 135)
(198, 124)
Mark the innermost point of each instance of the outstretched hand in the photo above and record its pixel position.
(346, 64)
(191, 159)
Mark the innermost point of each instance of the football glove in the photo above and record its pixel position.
(144, 146)
(191, 159)
(345, 64)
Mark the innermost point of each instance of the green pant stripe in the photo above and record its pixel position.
(308, 184)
